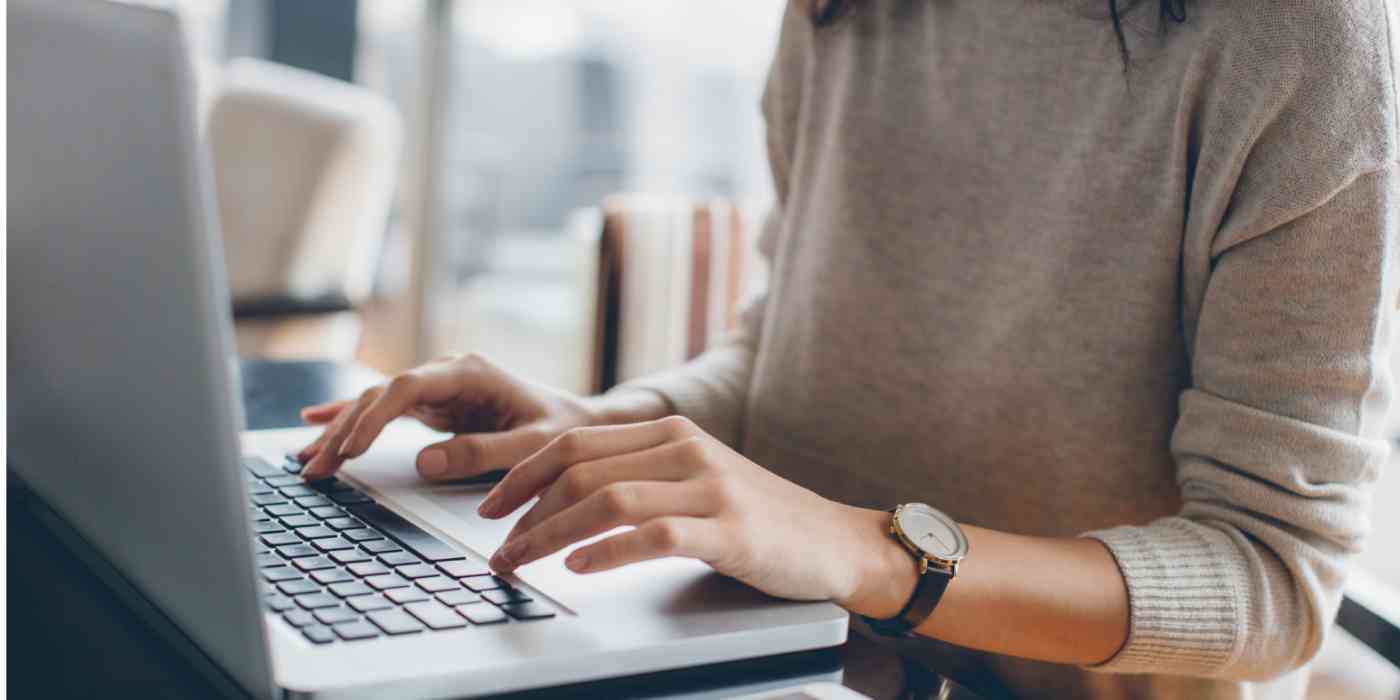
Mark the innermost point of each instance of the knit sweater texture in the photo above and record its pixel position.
(1055, 298)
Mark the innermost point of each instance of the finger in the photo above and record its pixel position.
(477, 453)
(431, 383)
(308, 453)
(583, 480)
(578, 445)
(328, 459)
(624, 503)
(324, 412)
(671, 536)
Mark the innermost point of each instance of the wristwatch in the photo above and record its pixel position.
(937, 543)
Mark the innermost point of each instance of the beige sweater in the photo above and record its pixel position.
(1050, 300)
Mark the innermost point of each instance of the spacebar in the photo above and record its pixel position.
(405, 533)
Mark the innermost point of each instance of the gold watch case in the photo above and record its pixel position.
(935, 539)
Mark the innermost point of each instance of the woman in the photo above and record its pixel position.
(1107, 288)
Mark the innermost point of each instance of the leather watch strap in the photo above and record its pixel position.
(927, 593)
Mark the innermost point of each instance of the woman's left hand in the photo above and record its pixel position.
(687, 495)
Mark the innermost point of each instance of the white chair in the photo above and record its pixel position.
(305, 168)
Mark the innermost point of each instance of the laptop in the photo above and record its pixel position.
(124, 418)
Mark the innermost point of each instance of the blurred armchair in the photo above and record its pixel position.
(305, 169)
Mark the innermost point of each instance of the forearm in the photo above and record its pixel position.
(1058, 600)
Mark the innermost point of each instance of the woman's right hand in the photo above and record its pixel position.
(499, 419)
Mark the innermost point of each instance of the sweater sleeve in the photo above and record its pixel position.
(1277, 444)
(712, 388)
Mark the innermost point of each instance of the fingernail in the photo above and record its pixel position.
(488, 507)
(432, 463)
(578, 561)
(511, 553)
(344, 450)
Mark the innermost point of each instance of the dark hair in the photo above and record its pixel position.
(825, 12)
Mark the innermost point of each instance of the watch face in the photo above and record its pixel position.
(932, 532)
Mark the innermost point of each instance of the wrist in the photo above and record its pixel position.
(886, 573)
(625, 406)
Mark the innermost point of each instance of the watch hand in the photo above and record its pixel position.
(940, 541)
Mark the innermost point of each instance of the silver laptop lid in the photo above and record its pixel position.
(122, 402)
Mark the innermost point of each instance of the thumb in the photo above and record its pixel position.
(478, 453)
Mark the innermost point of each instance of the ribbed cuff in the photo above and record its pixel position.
(1188, 598)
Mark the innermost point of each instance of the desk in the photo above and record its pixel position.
(69, 636)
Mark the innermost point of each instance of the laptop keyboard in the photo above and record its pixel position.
(341, 568)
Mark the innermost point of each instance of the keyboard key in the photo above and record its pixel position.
(266, 560)
(280, 573)
(363, 535)
(281, 481)
(435, 615)
(315, 533)
(461, 569)
(298, 587)
(298, 618)
(398, 559)
(329, 485)
(458, 597)
(267, 499)
(395, 622)
(259, 467)
(278, 602)
(379, 546)
(347, 498)
(257, 487)
(436, 584)
(386, 582)
(350, 556)
(368, 568)
(313, 601)
(334, 616)
(312, 502)
(294, 551)
(359, 629)
(282, 510)
(330, 576)
(277, 539)
(324, 512)
(350, 589)
(296, 491)
(485, 583)
(525, 611)
(405, 533)
(260, 548)
(370, 603)
(345, 523)
(267, 527)
(333, 544)
(506, 596)
(416, 571)
(313, 563)
(299, 520)
(481, 613)
(318, 634)
(406, 595)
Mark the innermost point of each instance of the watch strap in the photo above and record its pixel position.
(921, 604)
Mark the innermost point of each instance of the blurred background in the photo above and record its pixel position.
(508, 117)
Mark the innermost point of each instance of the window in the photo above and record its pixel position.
(518, 113)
